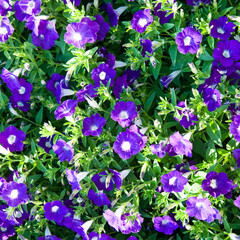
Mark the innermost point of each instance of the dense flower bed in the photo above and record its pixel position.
(119, 119)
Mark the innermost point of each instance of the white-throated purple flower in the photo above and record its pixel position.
(127, 144)
(159, 149)
(66, 109)
(236, 155)
(96, 236)
(221, 28)
(55, 211)
(64, 151)
(227, 52)
(89, 90)
(163, 15)
(11, 80)
(237, 202)
(54, 81)
(129, 225)
(15, 194)
(81, 33)
(93, 125)
(165, 224)
(6, 29)
(186, 115)
(234, 128)
(141, 19)
(124, 113)
(103, 27)
(21, 105)
(5, 7)
(217, 183)
(46, 143)
(12, 138)
(98, 199)
(173, 181)
(188, 40)
(212, 98)
(147, 47)
(27, 8)
(103, 73)
(6, 230)
(120, 83)
(75, 2)
(49, 237)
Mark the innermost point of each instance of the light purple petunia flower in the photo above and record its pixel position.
(73, 179)
(103, 236)
(173, 181)
(98, 199)
(237, 202)
(163, 17)
(5, 7)
(55, 211)
(88, 90)
(81, 33)
(197, 2)
(141, 19)
(236, 155)
(12, 138)
(93, 125)
(124, 113)
(159, 149)
(6, 231)
(103, 27)
(227, 52)
(75, 2)
(49, 237)
(64, 151)
(129, 225)
(113, 219)
(188, 40)
(165, 225)
(46, 143)
(142, 138)
(6, 29)
(212, 98)
(147, 47)
(66, 109)
(15, 194)
(11, 80)
(3, 184)
(234, 128)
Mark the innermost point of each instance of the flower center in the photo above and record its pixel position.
(11, 139)
(5, 5)
(102, 75)
(199, 204)
(220, 30)
(213, 184)
(187, 41)
(126, 146)
(3, 229)
(54, 209)
(214, 97)
(222, 72)
(20, 104)
(77, 36)
(142, 22)
(237, 72)
(95, 238)
(22, 90)
(3, 30)
(226, 53)
(14, 194)
(48, 144)
(103, 179)
(124, 115)
(18, 214)
(164, 222)
(172, 180)
(65, 148)
(94, 127)
(49, 26)
(31, 4)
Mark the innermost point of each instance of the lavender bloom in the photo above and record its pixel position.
(188, 40)
(46, 143)
(141, 19)
(55, 211)
(103, 236)
(166, 80)
(11, 80)
(212, 99)
(124, 113)
(142, 138)
(6, 230)
(5, 7)
(234, 128)
(159, 149)
(64, 151)
(49, 237)
(147, 47)
(103, 27)
(113, 219)
(236, 155)
(98, 199)
(165, 225)
(186, 115)
(66, 109)
(120, 83)
(73, 179)
(15, 194)
(103, 73)
(93, 125)
(197, 2)
(81, 33)
(6, 29)
(162, 14)
(237, 202)
(227, 52)
(128, 225)
(76, 226)
(88, 90)
(12, 138)
(75, 2)
(110, 58)
(3, 184)
(222, 28)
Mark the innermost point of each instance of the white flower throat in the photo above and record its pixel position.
(126, 146)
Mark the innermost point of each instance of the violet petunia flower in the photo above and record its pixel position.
(236, 155)
(237, 202)
(120, 83)
(88, 90)
(234, 76)
(131, 76)
(74, 2)
(124, 113)
(54, 81)
(3, 184)
(197, 2)
(212, 98)
(142, 138)
(163, 15)
(11, 80)
(73, 179)
(188, 40)
(5, 7)
(112, 15)
(96, 236)
(129, 225)
(12, 138)
(234, 128)
(132, 237)
(141, 19)
(46, 143)
(66, 109)
(113, 219)
(49, 237)
(110, 58)
(64, 151)
(103, 27)
(98, 199)
(159, 149)
(147, 47)
(167, 79)
(183, 167)
(6, 230)
(165, 225)
(21, 105)
(6, 29)
(81, 33)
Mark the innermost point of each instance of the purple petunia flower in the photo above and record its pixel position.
(15, 194)
(142, 138)
(73, 179)
(163, 18)
(130, 226)
(49, 237)
(52, 84)
(132, 237)
(197, 2)
(147, 47)
(166, 80)
(93, 125)
(212, 98)
(227, 52)
(88, 90)
(188, 40)
(120, 83)
(234, 75)
(5, 7)
(21, 105)
(6, 29)
(141, 19)
(3, 184)
(98, 199)
(103, 27)
(27, 8)
(183, 167)
(103, 236)
(159, 149)
(235, 128)
(165, 225)
(113, 219)
(124, 113)
(236, 155)
(221, 28)
(103, 73)
(75, 2)
(66, 109)
(6, 230)
(12, 138)
(81, 33)
(55, 211)
(64, 151)
(237, 202)
(46, 143)
(173, 181)
(110, 58)
(11, 80)
(112, 15)
(131, 76)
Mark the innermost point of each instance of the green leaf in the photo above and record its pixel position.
(39, 116)
(173, 97)
(156, 168)
(214, 132)
(211, 153)
(173, 53)
(211, 42)
(226, 225)
(149, 102)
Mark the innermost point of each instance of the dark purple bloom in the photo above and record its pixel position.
(103, 73)
(74, 2)
(81, 33)
(162, 14)
(165, 225)
(235, 128)
(21, 105)
(6, 29)
(117, 178)
(141, 19)
(52, 84)
(103, 236)
(124, 113)
(49, 237)
(66, 109)
(93, 125)
(197, 2)
(212, 98)
(46, 143)
(98, 199)
(112, 15)
(234, 76)
(227, 52)
(166, 80)
(188, 40)
(27, 8)
(55, 211)
(76, 226)
(6, 230)
(147, 47)
(15, 194)
(5, 7)
(183, 168)
(110, 58)
(222, 28)
(132, 238)
(235, 109)
(113, 219)
(64, 151)
(120, 83)
(131, 76)
(159, 149)
(103, 27)
(237, 202)
(12, 138)
(186, 115)
(88, 90)
(11, 80)
(128, 225)
(24, 92)
(3, 184)
(236, 155)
